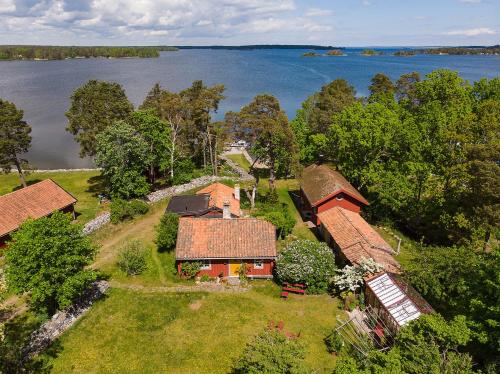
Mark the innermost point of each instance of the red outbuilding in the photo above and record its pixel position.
(35, 201)
(322, 188)
(223, 245)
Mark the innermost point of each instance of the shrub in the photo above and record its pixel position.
(189, 269)
(205, 278)
(122, 210)
(308, 262)
(166, 231)
(272, 352)
(283, 221)
(351, 277)
(334, 342)
(139, 207)
(132, 258)
(277, 214)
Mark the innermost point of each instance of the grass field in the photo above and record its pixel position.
(240, 160)
(83, 185)
(132, 332)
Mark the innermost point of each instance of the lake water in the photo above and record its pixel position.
(43, 88)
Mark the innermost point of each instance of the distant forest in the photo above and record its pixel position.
(471, 50)
(26, 52)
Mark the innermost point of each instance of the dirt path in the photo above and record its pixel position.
(107, 252)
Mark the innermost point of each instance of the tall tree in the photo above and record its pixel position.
(47, 258)
(381, 89)
(266, 126)
(124, 156)
(333, 98)
(153, 100)
(202, 101)
(174, 110)
(94, 107)
(15, 138)
(157, 135)
(405, 88)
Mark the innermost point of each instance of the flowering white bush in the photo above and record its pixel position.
(308, 262)
(350, 278)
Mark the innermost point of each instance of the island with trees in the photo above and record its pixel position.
(335, 52)
(371, 52)
(26, 52)
(311, 54)
(405, 53)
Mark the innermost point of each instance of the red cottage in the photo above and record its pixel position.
(222, 245)
(322, 188)
(36, 201)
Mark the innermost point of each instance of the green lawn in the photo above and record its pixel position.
(240, 160)
(132, 332)
(300, 230)
(83, 185)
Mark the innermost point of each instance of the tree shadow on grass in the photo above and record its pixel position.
(28, 182)
(295, 197)
(96, 185)
(17, 334)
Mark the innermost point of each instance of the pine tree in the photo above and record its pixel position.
(15, 138)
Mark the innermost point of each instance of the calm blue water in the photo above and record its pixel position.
(43, 88)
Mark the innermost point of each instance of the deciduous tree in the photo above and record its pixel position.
(94, 107)
(124, 157)
(47, 258)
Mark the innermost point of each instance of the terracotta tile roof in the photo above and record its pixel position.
(320, 181)
(357, 239)
(218, 194)
(210, 238)
(35, 201)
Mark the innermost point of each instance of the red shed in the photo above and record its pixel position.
(35, 201)
(222, 245)
(322, 188)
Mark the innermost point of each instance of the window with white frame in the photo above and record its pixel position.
(206, 265)
(258, 264)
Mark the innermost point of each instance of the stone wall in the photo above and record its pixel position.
(97, 223)
(153, 197)
(61, 321)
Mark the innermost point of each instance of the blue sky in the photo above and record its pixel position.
(231, 22)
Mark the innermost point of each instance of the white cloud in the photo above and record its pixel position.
(472, 32)
(366, 3)
(318, 12)
(7, 6)
(470, 1)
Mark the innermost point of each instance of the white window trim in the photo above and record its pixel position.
(260, 267)
(206, 265)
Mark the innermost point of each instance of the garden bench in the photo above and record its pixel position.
(294, 290)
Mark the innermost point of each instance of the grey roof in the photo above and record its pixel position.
(188, 205)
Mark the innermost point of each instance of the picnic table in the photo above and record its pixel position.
(297, 288)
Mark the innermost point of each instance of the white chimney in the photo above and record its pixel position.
(237, 192)
(226, 211)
